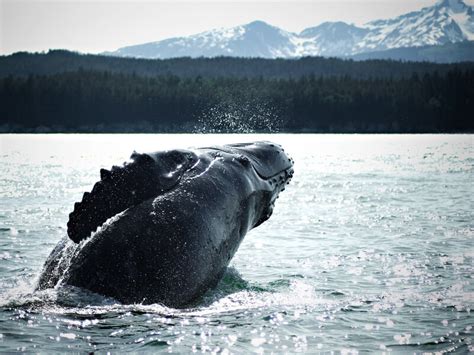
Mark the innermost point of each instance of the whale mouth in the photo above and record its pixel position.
(278, 184)
(144, 177)
(270, 163)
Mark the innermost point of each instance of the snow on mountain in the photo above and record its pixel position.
(448, 21)
(332, 39)
(256, 39)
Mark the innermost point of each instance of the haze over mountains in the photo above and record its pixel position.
(441, 25)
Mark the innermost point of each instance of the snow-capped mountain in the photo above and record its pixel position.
(332, 39)
(448, 21)
(256, 39)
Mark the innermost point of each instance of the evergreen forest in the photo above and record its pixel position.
(60, 91)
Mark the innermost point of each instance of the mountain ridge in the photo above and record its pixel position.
(448, 21)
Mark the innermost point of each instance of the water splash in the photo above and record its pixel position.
(240, 117)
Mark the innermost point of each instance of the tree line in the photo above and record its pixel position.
(60, 61)
(104, 101)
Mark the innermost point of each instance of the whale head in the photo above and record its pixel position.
(150, 175)
(272, 167)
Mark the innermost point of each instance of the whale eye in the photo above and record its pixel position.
(242, 159)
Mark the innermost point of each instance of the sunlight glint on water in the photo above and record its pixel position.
(369, 248)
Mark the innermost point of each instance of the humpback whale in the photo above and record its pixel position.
(163, 227)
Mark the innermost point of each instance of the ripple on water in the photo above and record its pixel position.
(369, 248)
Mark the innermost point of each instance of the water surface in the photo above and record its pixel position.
(369, 248)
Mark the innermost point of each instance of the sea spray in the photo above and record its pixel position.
(236, 117)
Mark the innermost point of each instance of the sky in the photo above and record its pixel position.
(94, 26)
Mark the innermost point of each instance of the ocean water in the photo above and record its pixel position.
(370, 248)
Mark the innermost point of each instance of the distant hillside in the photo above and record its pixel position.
(447, 53)
(60, 61)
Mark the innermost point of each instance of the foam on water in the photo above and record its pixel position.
(369, 248)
